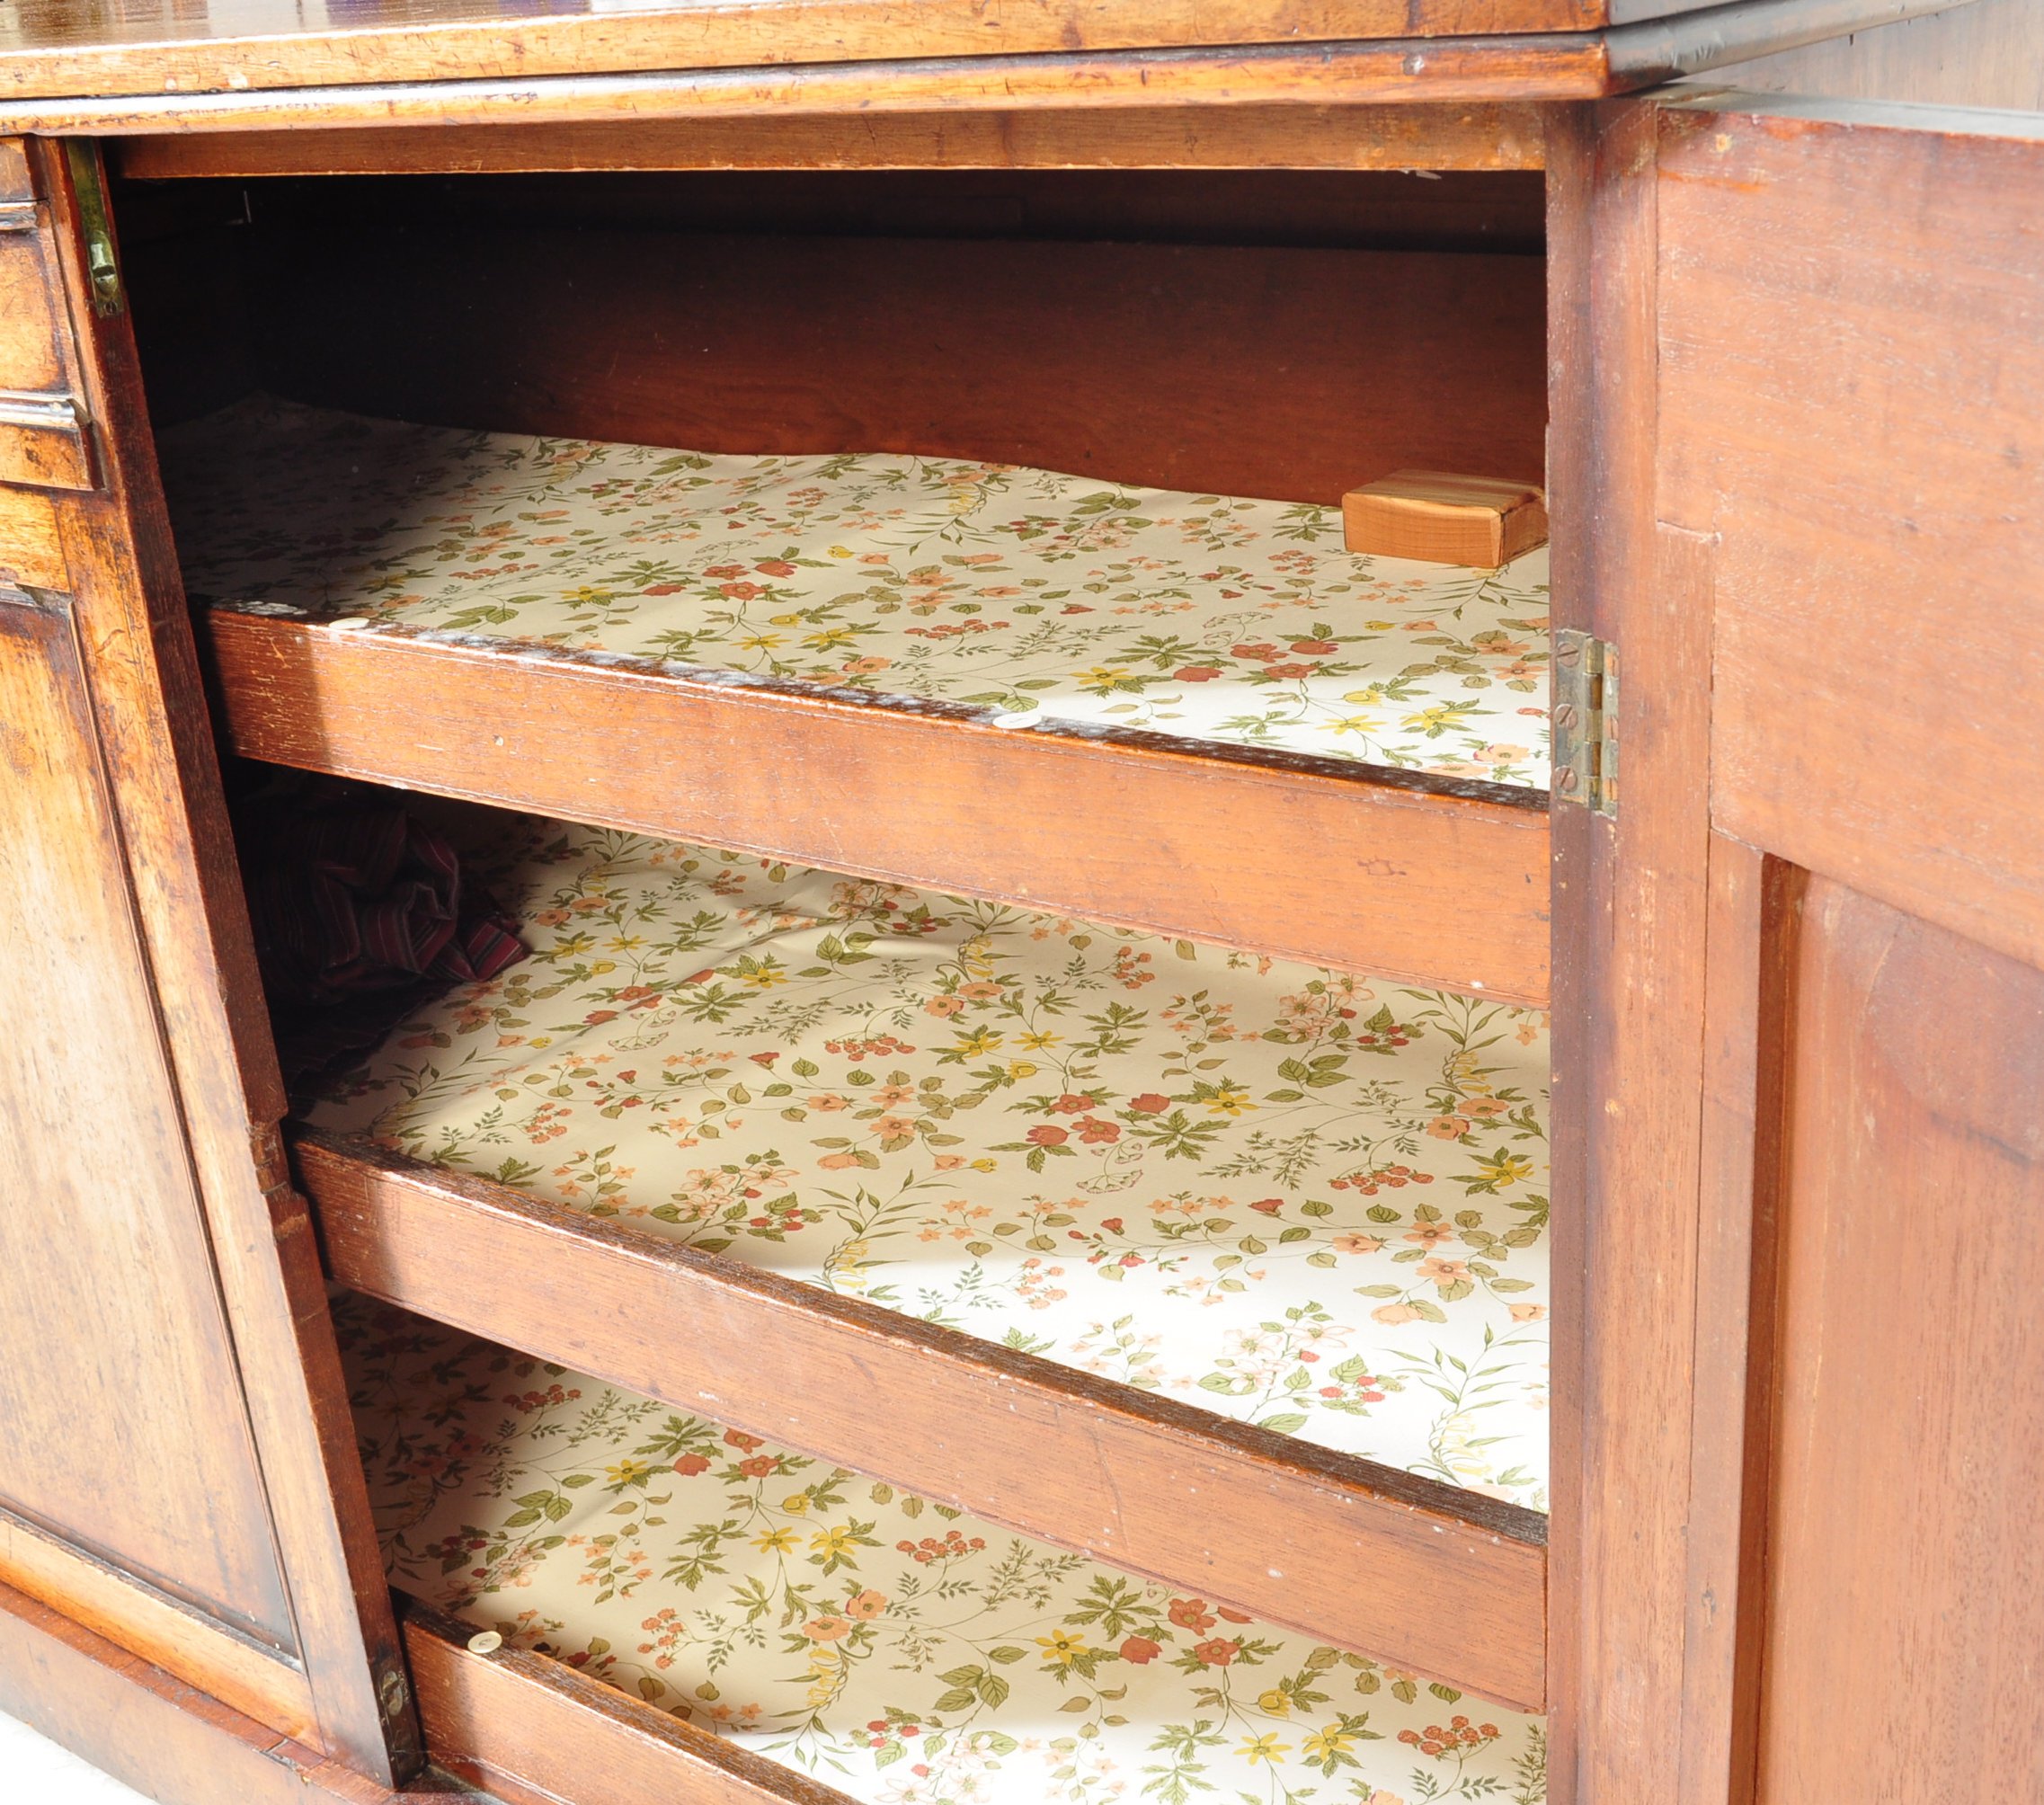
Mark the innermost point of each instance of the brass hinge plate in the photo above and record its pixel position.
(1586, 721)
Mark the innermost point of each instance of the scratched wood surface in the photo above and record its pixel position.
(1431, 1577)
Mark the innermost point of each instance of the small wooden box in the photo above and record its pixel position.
(1440, 518)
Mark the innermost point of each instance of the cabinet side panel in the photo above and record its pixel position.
(123, 1419)
(1906, 1601)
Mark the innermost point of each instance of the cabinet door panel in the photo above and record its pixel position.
(124, 1422)
(1802, 974)
(1905, 1585)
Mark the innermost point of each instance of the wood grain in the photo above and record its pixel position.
(107, 1272)
(1872, 472)
(1458, 70)
(1429, 1577)
(1444, 519)
(198, 1647)
(1753, 933)
(1416, 134)
(1415, 879)
(533, 1729)
(149, 1729)
(30, 551)
(1258, 370)
(1631, 915)
(54, 47)
(1905, 1590)
(155, 747)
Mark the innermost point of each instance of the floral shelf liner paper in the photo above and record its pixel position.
(1034, 595)
(1302, 1199)
(904, 1653)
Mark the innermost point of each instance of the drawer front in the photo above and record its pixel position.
(44, 439)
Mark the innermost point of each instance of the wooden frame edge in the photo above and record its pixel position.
(533, 1729)
(149, 1729)
(1426, 135)
(266, 1685)
(1441, 1581)
(1441, 883)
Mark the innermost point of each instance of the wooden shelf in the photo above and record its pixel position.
(1433, 881)
(1427, 1576)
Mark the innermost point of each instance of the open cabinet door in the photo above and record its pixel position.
(176, 1466)
(1800, 1071)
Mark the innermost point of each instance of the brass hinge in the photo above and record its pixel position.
(1586, 721)
(103, 269)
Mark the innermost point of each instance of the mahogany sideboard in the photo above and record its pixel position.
(1756, 290)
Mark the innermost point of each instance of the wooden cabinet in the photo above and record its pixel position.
(1792, 370)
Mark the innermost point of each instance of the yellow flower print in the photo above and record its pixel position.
(1062, 1648)
(760, 642)
(832, 639)
(1359, 724)
(1020, 1068)
(980, 1040)
(1229, 1099)
(796, 1504)
(1276, 1703)
(1365, 698)
(1037, 1042)
(832, 1543)
(629, 1473)
(1324, 1745)
(1267, 1748)
(775, 1542)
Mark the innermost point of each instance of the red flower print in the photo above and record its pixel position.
(1112, 1226)
(692, 1463)
(739, 1439)
(1190, 1613)
(1233, 1615)
(763, 1058)
(1287, 671)
(722, 571)
(1269, 1206)
(761, 1466)
(1260, 650)
(740, 592)
(1314, 648)
(775, 567)
(596, 1016)
(1196, 673)
(665, 588)
(1216, 1652)
(1047, 1136)
(1140, 1649)
(1092, 1130)
(1072, 1103)
(1150, 1104)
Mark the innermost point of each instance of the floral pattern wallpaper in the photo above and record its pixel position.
(900, 1651)
(1030, 595)
(1300, 1198)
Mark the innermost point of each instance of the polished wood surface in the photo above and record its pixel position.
(1904, 1588)
(1988, 53)
(1416, 134)
(149, 1729)
(61, 47)
(1444, 519)
(1432, 881)
(1238, 370)
(1427, 1576)
(107, 1273)
(535, 1730)
(30, 551)
(253, 1677)
(195, 966)
(1871, 471)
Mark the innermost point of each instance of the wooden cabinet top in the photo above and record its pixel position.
(159, 56)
